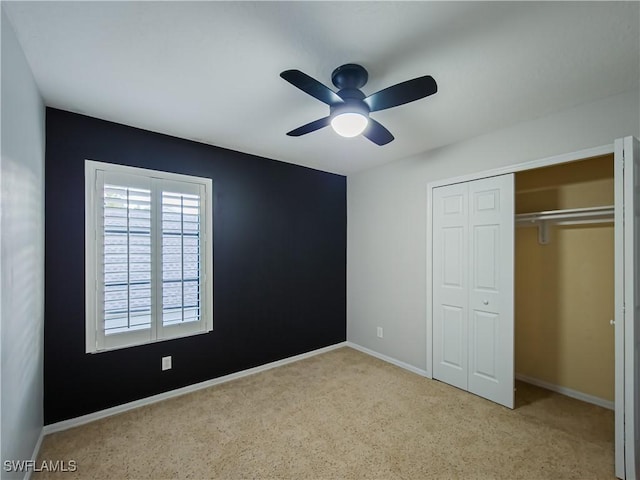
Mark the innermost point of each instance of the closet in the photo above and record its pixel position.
(540, 302)
(560, 300)
(564, 278)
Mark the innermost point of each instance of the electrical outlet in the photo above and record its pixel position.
(379, 332)
(166, 363)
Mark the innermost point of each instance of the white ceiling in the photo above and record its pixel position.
(209, 71)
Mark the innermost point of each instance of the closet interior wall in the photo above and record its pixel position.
(564, 290)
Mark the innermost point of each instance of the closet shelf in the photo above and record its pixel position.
(573, 216)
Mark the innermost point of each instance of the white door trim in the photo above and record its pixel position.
(618, 281)
(626, 150)
(530, 165)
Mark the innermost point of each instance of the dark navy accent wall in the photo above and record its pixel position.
(279, 266)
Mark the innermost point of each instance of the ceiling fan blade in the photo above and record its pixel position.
(311, 86)
(310, 127)
(377, 133)
(402, 93)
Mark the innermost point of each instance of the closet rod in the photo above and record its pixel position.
(574, 216)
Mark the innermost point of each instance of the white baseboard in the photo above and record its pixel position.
(91, 417)
(585, 397)
(387, 359)
(34, 455)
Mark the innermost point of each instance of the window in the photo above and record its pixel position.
(149, 266)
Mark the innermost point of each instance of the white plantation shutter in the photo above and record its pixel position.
(181, 261)
(180, 258)
(146, 256)
(126, 258)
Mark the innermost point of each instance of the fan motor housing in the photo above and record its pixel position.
(350, 76)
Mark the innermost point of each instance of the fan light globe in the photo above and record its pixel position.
(349, 124)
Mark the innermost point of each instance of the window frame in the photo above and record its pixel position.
(96, 340)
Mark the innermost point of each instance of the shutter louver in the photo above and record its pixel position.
(180, 258)
(126, 262)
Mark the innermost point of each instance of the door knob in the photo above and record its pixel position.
(486, 302)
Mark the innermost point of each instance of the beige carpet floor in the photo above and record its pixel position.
(342, 415)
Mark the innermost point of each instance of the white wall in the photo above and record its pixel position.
(386, 230)
(21, 254)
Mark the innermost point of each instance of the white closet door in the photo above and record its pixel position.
(491, 260)
(472, 256)
(450, 286)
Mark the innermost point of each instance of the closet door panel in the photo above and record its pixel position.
(453, 347)
(450, 273)
(491, 237)
(485, 332)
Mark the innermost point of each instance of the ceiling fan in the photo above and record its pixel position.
(349, 108)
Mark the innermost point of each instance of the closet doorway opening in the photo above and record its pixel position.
(564, 308)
